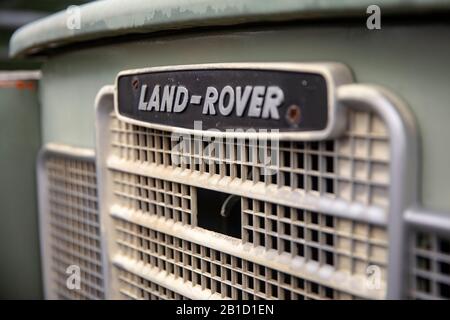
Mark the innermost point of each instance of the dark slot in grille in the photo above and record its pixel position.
(219, 212)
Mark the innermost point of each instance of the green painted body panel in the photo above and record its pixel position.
(110, 18)
(410, 60)
(20, 140)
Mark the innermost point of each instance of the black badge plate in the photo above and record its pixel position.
(226, 99)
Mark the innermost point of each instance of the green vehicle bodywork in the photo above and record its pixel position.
(409, 55)
(20, 141)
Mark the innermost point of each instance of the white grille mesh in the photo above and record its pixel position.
(134, 287)
(153, 196)
(216, 272)
(73, 227)
(345, 244)
(353, 168)
(429, 266)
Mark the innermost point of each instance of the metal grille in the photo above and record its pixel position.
(145, 170)
(70, 226)
(353, 168)
(154, 196)
(429, 266)
(134, 287)
(216, 272)
(345, 244)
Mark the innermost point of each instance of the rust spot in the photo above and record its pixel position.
(25, 85)
(293, 114)
(135, 84)
(18, 84)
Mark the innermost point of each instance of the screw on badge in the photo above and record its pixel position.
(135, 84)
(293, 114)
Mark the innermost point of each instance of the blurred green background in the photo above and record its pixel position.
(20, 140)
(16, 13)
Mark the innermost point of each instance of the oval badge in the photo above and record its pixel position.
(289, 98)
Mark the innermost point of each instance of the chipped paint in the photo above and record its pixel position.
(117, 17)
(19, 84)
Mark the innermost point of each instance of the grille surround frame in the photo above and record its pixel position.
(72, 154)
(404, 171)
(402, 131)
